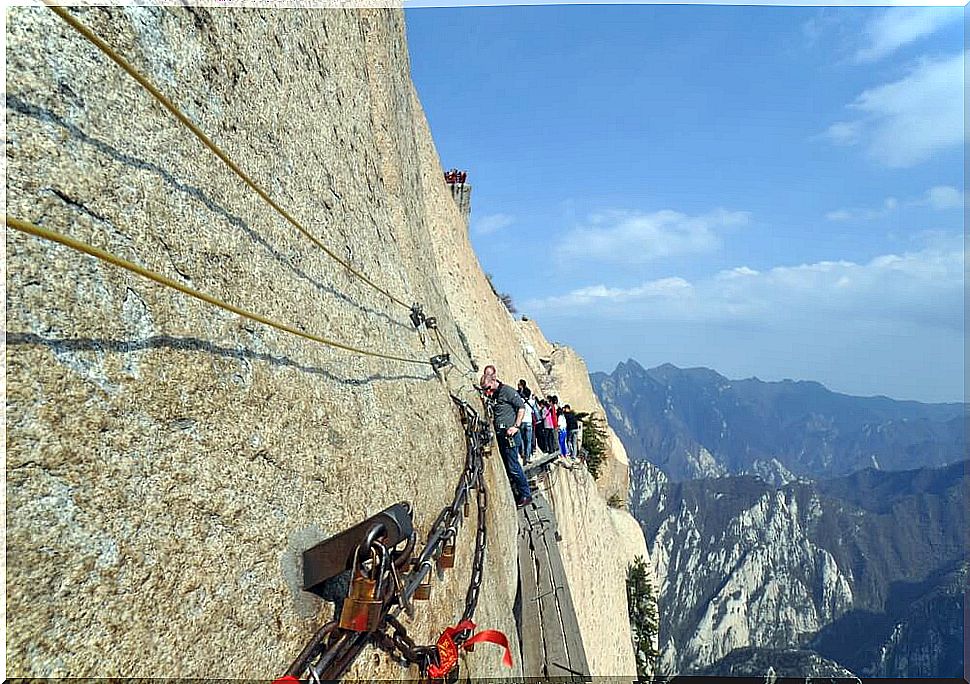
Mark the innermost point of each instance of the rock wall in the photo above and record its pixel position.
(599, 543)
(739, 568)
(561, 371)
(167, 462)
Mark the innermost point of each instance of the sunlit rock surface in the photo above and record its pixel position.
(167, 462)
(862, 570)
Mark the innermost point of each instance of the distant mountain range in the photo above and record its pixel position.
(792, 530)
(864, 572)
(695, 423)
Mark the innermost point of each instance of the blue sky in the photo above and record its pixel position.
(767, 191)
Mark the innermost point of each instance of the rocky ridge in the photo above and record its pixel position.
(847, 568)
(694, 422)
(771, 663)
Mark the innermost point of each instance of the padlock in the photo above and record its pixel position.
(423, 590)
(447, 558)
(361, 611)
(467, 508)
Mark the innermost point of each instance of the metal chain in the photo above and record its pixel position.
(332, 649)
(399, 644)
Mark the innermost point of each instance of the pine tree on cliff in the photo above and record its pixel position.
(644, 621)
(594, 442)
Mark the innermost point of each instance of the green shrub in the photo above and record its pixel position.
(504, 297)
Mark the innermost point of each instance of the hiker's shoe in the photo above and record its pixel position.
(524, 502)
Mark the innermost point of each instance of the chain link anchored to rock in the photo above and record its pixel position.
(379, 592)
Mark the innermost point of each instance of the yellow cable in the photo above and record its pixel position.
(165, 102)
(54, 236)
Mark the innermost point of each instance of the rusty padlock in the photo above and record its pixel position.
(447, 558)
(466, 507)
(361, 611)
(423, 590)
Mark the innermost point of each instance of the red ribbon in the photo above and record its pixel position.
(448, 649)
(288, 679)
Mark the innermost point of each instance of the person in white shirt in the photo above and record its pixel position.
(561, 424)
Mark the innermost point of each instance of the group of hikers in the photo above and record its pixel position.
(455, 177)
(523, 423)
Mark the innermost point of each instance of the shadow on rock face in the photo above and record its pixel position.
(197, 345)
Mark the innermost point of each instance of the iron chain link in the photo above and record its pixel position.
(332, 649)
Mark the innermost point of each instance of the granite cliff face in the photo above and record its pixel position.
(863, 570)
(770, 663)
(928, 633)
(167, 462)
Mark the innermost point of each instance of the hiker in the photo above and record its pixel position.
(508, 410)
(549, 425)
(561, 424)
(489, 372)
(536, 422)
(572, 431)
(526, 427)
(539, 425)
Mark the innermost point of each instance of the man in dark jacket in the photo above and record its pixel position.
(508, 411)
(572, 431)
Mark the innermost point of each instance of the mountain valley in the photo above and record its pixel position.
(776, 541)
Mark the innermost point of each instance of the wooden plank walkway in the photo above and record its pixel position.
(552, 645)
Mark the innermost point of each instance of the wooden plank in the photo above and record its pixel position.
(553, 640)
(567, 614)
(569, 625)
(530, 634)
(551, 643)
(542, 462)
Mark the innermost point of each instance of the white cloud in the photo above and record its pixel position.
(905, 122)
(491, 223)
(888, 206)
(638, 238)
(666, 289)
(939, 197)
(942, 197)
(845, 132)
(922, 287)
(738, 272)
(899, 26)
